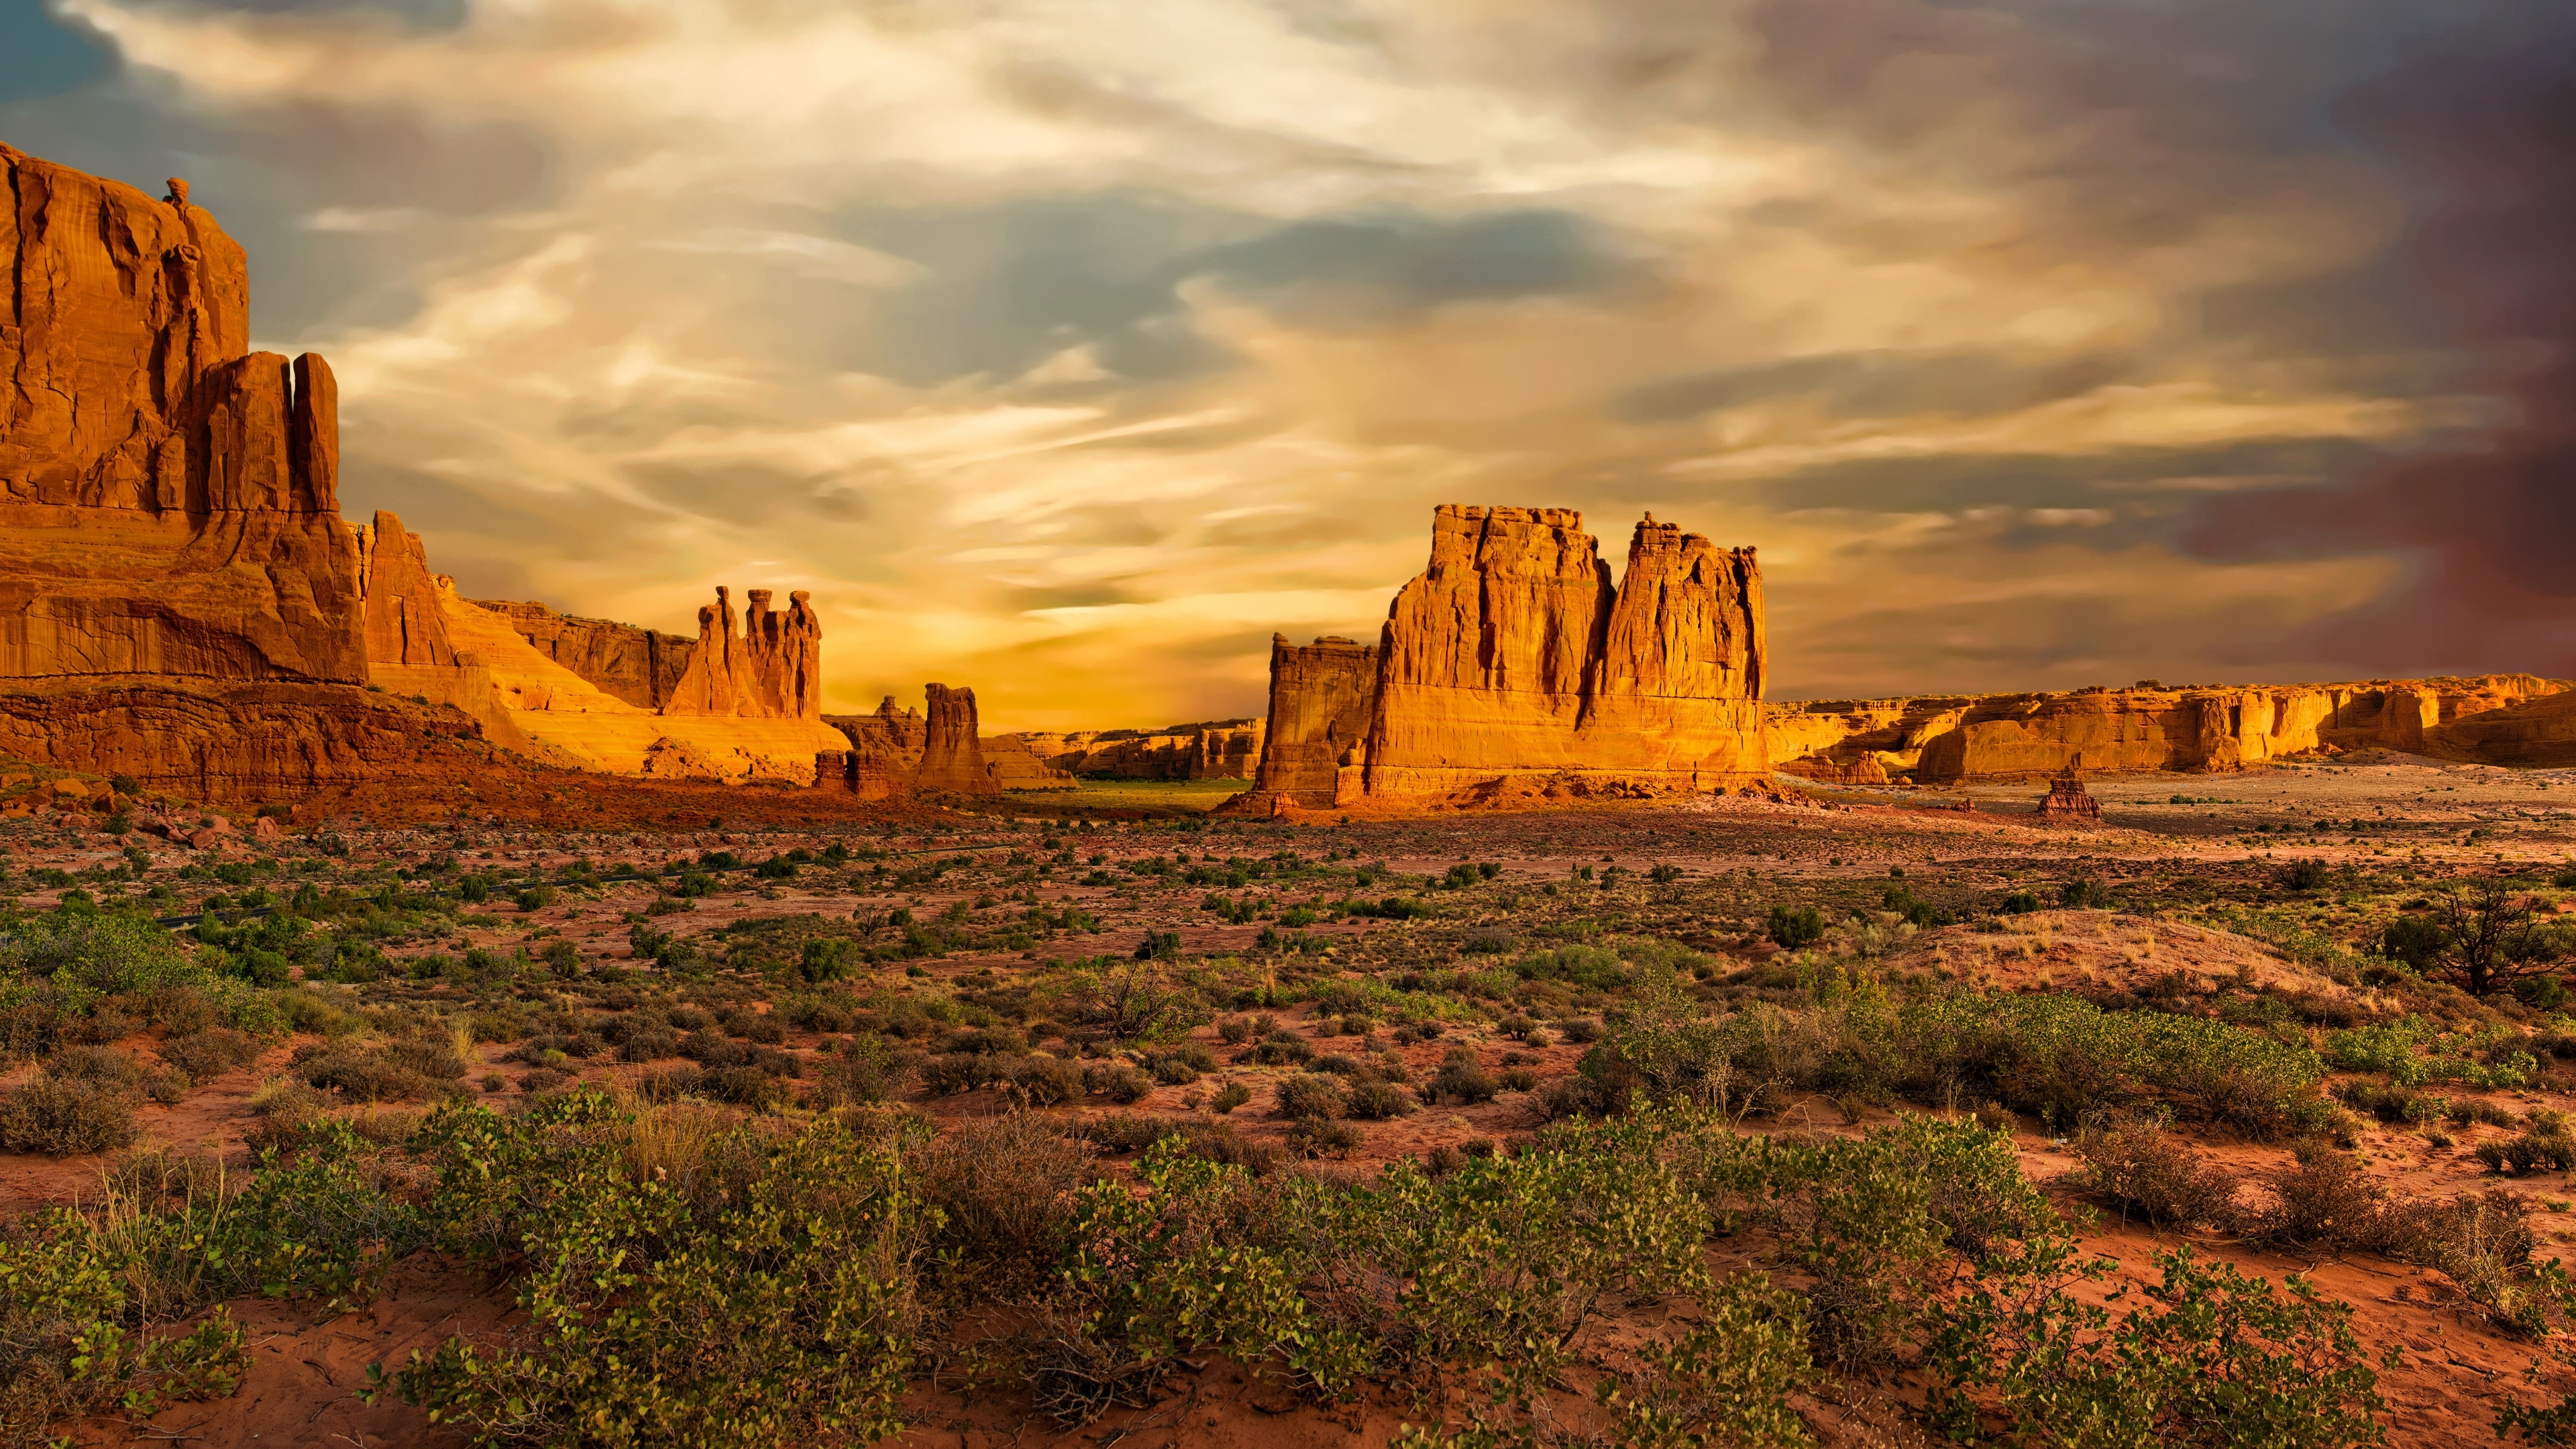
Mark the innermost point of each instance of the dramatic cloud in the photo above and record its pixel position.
(1067, 348)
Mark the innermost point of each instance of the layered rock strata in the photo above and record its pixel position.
(1322, 698)
(168, 499)
(640, 666)
(2499, 719)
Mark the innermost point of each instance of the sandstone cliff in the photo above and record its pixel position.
(883, 751)
(2497, 718)
(1512, 655)
(773, 669)
(1322, 698)
(167, 499)
(640, 666)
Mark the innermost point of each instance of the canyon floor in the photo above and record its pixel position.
(1106, 980)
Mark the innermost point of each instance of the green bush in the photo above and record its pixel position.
(785, 1314)
(2209, 1358)
(1795, 927)
(828, 958)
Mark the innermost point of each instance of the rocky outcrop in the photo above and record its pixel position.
(241, 743)
(1512, 655)
(1227, 749)
(900, 751)
(1322, 698)
(952, 754)
(773, 669)
(1948, 738)
(2068, 802)
(168, 500)
(640, 666)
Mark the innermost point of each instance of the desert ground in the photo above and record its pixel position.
(1022, 996)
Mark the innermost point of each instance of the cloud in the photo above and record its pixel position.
(1069, 347)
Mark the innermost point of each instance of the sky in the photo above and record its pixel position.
(1066, 349)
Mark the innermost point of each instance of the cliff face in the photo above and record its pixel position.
(2500, 719)
(168, 501)
(1511, 655)
(640, 666)
(773, 669)
(1322, 698)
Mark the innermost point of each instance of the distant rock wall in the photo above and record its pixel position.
(640, 666)
(1215, 750)
(2500, 719)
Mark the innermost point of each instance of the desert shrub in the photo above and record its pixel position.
(535, 898)
(1580, 1030)
(648, 1046)
(1044, 1081)
(73, 1343)
(63, 1115)
(358, 1074)
(948, 1073)
(2209, 1357)
(784, 1314)
(1594, 968)
(1377, 1102)
(209, 1053)
(1119, 1083)
(1310, 1096)
(108, 1067)
(1794, 927)
(828, 958)
(2529, 1152)
(1323, 1137)
(1005, 1186)
(742, 1086)
(2327, 1200)
(1229, 1097)
(2141, 1168)
(2084, 893)
(2390, 1103)
(1234, 1030)
(1461, 1081)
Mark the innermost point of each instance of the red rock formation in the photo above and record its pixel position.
(884, 754)
(1679, 690)
(640, 666)
(1322, 698)
(166, 502)
(952, 754)
(241, 742)
(404, 624)
(2068, 802)
(1011, 765)
(772, 670)
(1512, 655)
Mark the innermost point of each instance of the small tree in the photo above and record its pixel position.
(2484, 936)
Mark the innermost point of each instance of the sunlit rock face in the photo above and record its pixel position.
(168, 499)
(2503, 719)
(1513, 658)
